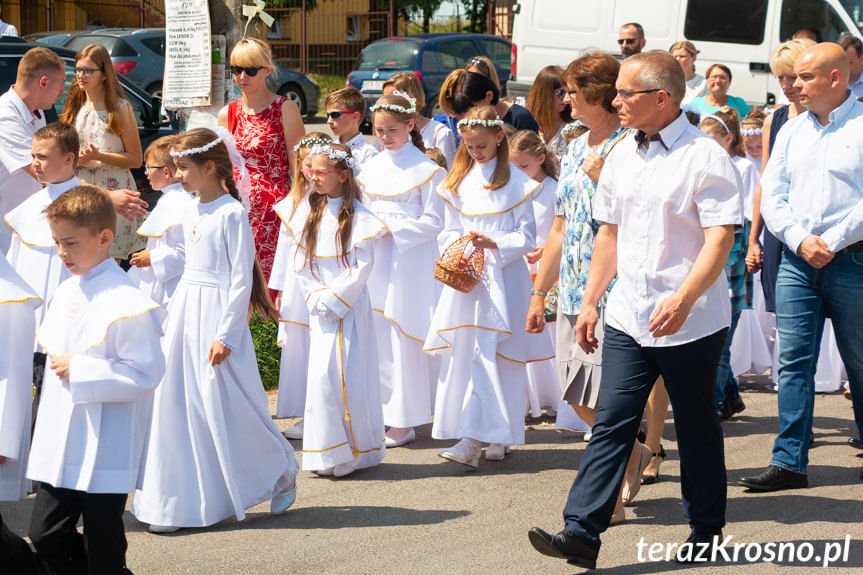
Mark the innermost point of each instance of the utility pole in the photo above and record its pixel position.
(226, 17)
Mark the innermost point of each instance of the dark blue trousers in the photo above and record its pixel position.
(628, 374)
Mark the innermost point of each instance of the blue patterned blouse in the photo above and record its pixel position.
(574, 202)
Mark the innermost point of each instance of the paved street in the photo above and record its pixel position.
(416, 513)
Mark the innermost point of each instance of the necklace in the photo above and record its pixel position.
(196, 234)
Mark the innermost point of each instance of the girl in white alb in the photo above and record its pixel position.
(214, 450)
(399, 186)
(293, 335)
(333, 252)
(480, 334)
(530, 155)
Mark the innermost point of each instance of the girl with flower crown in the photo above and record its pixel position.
(293, 316)
(482, 389)
(399, 187)
(214, 450)
(332, 251)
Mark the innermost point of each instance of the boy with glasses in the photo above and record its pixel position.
(345, 111)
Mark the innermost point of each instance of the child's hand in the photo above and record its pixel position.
(218, 353)
(140, 259)
(534, 255)
(60, 365)
(482, 241)
(278, 301)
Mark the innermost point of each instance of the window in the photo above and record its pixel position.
(730, 21)
(8, 71)
(388, 55)
(499, 52)
(814, 15)
(117, 47)
(430, 61)
(456, 54)
(156, 44)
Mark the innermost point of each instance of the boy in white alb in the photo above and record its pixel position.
(157, 269)
(103, 338)
(345, 111)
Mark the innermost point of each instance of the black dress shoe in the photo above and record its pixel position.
(774, 479)
(564, 545)
(731, 406)
(855, 443)
(698, 547)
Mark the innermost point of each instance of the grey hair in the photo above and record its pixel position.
(660, 70)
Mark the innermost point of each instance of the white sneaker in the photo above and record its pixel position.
(409, 436)
(343, 470)
(161, 529)
(295, 432)
(283, 501)
(587, 435)
(466, 452)
(496, 451)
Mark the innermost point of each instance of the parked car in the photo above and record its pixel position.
(741, 34)
(139, 54)
(431, 57)
(52, 37)
(147, 108)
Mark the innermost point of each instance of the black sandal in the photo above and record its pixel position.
(649, 479)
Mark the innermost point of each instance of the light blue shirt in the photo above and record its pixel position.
(813, 182)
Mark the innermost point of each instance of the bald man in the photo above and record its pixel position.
(812, 200)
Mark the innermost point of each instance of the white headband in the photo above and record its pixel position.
(752, 131)
(310, 142)
(332, 154)
(718, 119)
(496, 123)
(193, 151)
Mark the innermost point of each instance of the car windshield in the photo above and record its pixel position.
(388, 55)
(855, 10)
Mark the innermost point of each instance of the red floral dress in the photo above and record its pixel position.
(261, 140)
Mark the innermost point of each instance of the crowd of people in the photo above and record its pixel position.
(628, 203)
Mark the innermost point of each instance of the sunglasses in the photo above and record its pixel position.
(336, 114)
(561, 93)
(322, 173)
(479, 63)
(627, 41)
(250, 71)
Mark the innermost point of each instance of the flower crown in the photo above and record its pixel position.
(311, 142)
(752, 131)
(200, 150)
(395, 107)
(571, 127)
(496, 123)
(332, 154)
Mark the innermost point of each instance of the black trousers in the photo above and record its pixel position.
(628, 374)
(102, 548)
(15, 555)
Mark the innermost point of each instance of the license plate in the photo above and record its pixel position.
(373, 85)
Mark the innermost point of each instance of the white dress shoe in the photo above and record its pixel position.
(295, 432)
(163, 529)
(403, 440)
(496, 451)
(342, 470)
(283, 501)
(466, 452)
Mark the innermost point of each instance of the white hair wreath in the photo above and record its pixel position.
(199, 150)
(395, 107)
(311, 142)
(752, 131)
(332, 154)
(496, 123)
(407, 97)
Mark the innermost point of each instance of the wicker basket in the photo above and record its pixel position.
(456, 271)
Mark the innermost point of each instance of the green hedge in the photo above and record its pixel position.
(264, 336)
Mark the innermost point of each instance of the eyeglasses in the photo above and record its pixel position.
(86, 72)
(626, 95)
(569, 93)
(250, 71)
(336, 114)
(148, 168)
(561, 93)
(627, 41)
(322, 173)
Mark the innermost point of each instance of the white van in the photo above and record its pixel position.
(738, 33)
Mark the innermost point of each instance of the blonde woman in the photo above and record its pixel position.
(110, 146)
(266, 127)
(696, 85)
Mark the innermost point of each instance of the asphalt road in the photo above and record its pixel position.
(416, 513)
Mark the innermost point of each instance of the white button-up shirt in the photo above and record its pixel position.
(7, 29)
(857, 87)
(813, 182)
(661, 198)
(17, 126)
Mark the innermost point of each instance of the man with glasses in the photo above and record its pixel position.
(38, 84)
(631, 39)
(668, 198)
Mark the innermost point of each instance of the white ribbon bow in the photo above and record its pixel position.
(257, 9)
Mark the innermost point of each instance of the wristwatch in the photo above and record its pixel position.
(539, 293)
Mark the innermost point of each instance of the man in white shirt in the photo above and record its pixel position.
(854, 50)
(668, 198)
(38, 84)
(812, 201)
(7, 29)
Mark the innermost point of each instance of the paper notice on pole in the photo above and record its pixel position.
(188, 54)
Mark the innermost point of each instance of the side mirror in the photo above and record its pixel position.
(155, 111)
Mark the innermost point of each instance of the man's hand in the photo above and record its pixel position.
(585, 327)
(753, 258)
(140, 259)
(60, 365)
(814, 252)
(535, 315)
(129, 204)
(534, 255)
(669, 316)
(218, 353)
(592, 166)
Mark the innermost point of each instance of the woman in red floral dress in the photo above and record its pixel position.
(266, 127)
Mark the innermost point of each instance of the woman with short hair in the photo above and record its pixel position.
(718, 82)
